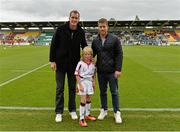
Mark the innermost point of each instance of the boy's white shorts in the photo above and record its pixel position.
(88, 88)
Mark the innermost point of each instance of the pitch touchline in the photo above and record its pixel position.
(22, 75)
(93, 109)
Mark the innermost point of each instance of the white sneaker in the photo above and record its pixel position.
(58, 118)
(102, 114)
(73, 115)
(117, 117)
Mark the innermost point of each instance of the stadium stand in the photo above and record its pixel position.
(19, 38)
(160, 32)
(45, 38)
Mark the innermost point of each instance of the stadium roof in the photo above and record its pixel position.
(54, 24)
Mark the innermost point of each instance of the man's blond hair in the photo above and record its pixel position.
(103, 20)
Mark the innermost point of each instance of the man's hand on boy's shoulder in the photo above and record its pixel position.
(93, 61)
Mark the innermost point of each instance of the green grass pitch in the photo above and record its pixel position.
(150, 79)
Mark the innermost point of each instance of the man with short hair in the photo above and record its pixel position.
(109, 53)
(64, 56)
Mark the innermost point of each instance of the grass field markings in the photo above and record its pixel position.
(168, 71)
(22, 75)
(18, 71)
(92, 109)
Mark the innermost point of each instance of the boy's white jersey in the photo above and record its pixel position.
(85, 71)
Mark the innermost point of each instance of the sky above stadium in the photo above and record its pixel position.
(58, 10)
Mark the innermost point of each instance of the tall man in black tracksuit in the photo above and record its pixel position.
(109, 53)
(64, 56)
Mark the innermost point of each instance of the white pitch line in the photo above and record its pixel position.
(22, 75)
(93, 109)
(168, 71)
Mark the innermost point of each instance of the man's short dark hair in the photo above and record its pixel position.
(103, 20)
(75, 12)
